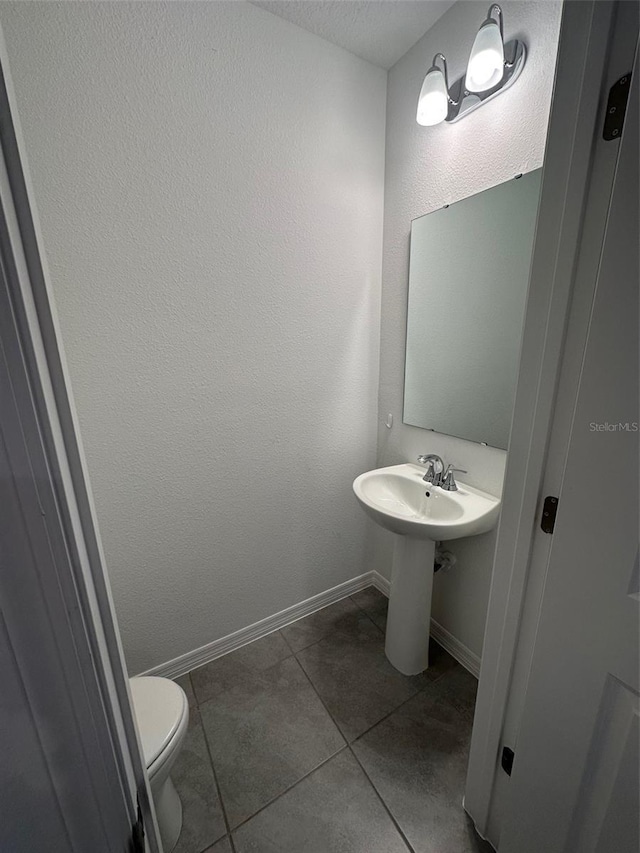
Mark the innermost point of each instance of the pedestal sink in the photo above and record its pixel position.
(398, 499)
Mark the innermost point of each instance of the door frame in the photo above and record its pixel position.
(576, 186)
(46, 425)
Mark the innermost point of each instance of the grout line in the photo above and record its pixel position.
(287, 643)
(424, 689)
(370, 617)
(386, 716)
(291, 787)
(348, 746)
(366, 612)
(336, 723)
(428, 685)
(295, 652)
(385, 806)
(366, 731)
(196, 709)
(322, 702)
(213, 768)
(250, 674)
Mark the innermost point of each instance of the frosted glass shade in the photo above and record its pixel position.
(433, 103)
(486, 63)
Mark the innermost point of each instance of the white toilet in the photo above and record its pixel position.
(162, 713)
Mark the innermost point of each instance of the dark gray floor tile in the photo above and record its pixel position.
(440, 661)
(202, 820)
(265, 733)
(221, 674)
(185, 682)
(459, 688)
(194, 717)
(374, 603)
(334, 810)
(223, 846)
(342, 617)
(417, 759)
(356, 681)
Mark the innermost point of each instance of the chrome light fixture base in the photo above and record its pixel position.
(462, 102)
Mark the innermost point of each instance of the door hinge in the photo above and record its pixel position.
(549, 510)
(616, 108)
(507, 759)
(137, 833)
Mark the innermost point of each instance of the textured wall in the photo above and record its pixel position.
(427, 167)
(209, 180)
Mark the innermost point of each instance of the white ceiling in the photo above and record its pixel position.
(380, 31)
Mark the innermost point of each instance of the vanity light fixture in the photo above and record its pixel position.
(493, 66)
(433, 103)
(486, 63)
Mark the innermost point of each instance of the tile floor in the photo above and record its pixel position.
(309, 741)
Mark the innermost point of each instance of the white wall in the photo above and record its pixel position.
(427, 167)
(209, 180)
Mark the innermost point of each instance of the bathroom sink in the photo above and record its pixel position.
(398, 499)
(420, 515)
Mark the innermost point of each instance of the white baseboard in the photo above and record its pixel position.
(205, 654)
(381, 583)
(456, 649)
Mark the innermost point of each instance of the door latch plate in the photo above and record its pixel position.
(506, 759)
(549, 510)
(616, 108)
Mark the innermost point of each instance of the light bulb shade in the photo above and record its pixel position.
(486, 63)
(433, 103)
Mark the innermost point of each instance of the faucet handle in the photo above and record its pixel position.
(435, 468)
(430, 475)
(448, 483)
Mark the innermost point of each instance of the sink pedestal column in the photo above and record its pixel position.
(409, 619)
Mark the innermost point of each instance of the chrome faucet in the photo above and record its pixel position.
(435, 468)
(448, 482)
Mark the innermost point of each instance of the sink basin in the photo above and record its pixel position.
(398, 499)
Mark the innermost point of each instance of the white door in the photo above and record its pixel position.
(575, 781)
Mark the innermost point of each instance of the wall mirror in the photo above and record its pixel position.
(468, 278)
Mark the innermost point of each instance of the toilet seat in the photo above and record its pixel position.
(161, 710)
